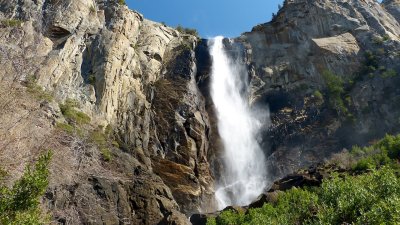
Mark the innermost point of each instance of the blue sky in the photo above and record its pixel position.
(229, 18)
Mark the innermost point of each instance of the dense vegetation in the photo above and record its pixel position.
(369, 193)
(19, 204)
(335, 87)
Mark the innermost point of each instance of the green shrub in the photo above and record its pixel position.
(385, 152)
(92, 9)
(377, 40)
(335, 86)
(11, 23)
(211, 221)
(3, 173)
(365, 164)
(104, 141)
(229, 217)
(108, 130)
(71, 114)
(352, 199)
(65, 127)
(389, 73)
(121, 2)
(319, 97)
(371, 62)
(106, 154)
(20, 203)
(115, 144)
(98, 137)
(91, 79)
(390, 145)
(386, 37)
(371, 198)
(36, 90)
(188, 31)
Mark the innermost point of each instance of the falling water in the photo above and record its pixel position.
(244, 173)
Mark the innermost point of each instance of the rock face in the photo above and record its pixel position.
(126, 72)
(357, 41)
(393, 7)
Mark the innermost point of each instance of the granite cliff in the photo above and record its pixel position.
(298, 59)
(328, 72)
(129, 75)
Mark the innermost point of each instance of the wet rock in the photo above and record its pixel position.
(270, 197)
(199, 219)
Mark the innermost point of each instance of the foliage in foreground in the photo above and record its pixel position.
(19, 204)
(370, 198)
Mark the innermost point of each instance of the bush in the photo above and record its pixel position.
(335, 86)
(103, 141)
(371, 198)
(121, 2)
(11, 23)
(92, 9)
(365, 164)
(71, 114)
(188, 31)
(106, 154)
(390, 145)
(318, 97)
(66, 127)
(389, 73)
(36, 90)
(386, 37)
(98, 137)
(20, 203)
(354, 198)
(91, 79)
(377, 40)
(229, 217)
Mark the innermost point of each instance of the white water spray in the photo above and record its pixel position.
(244, 174)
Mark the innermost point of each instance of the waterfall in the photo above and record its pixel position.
(244, 172)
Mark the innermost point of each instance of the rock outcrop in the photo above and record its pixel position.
(393, 7)
(357, 41)
(128, 73)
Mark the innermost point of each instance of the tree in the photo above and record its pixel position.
(20, 203)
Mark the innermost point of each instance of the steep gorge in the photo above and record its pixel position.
(151, 85)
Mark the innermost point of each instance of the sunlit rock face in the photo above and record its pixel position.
(128, 72)
(287, 58)
(393, 7)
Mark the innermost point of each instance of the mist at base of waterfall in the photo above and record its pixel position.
(244, 175)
